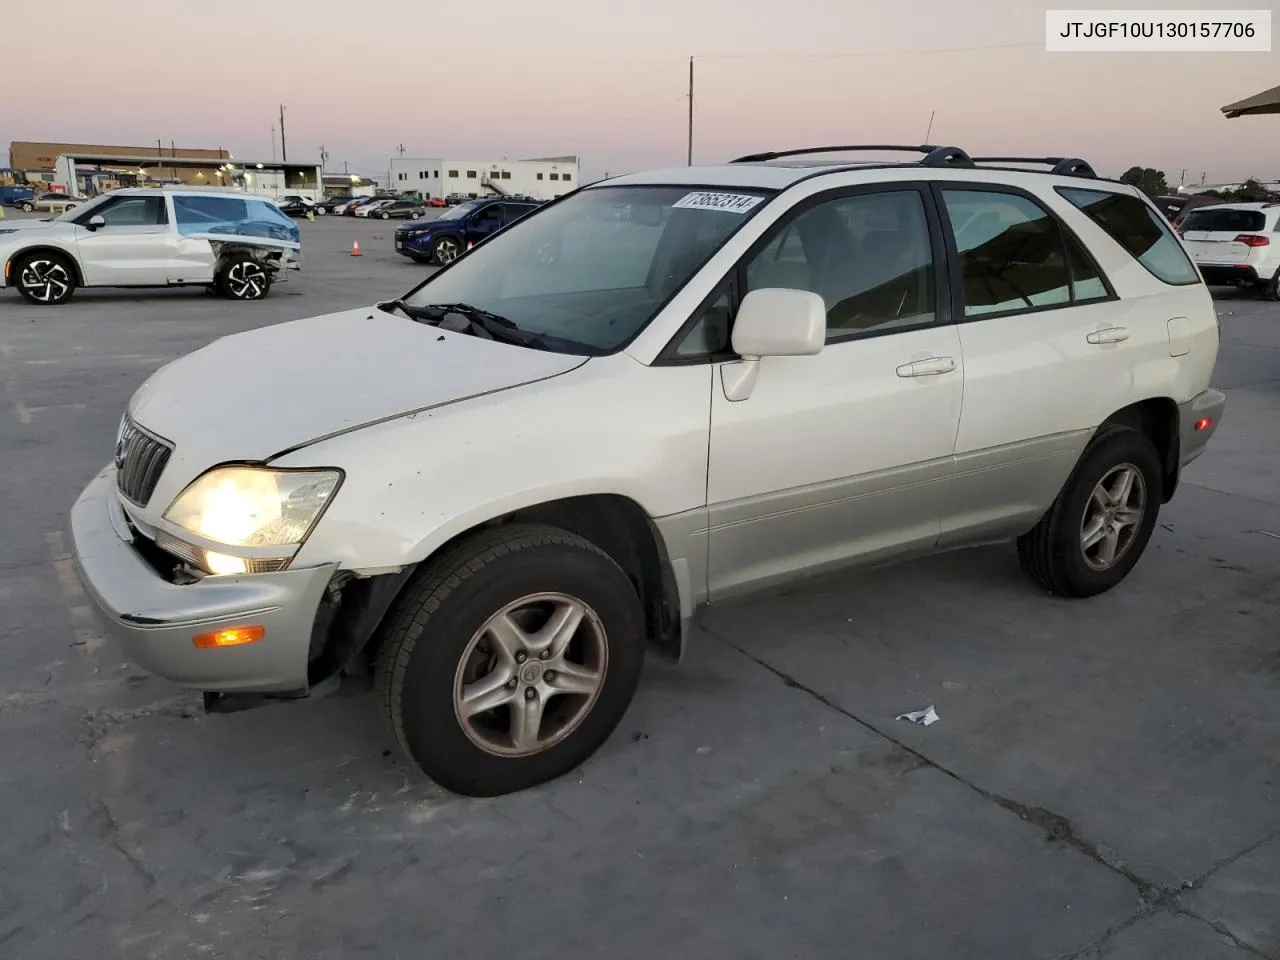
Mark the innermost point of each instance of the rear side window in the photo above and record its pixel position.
(1139, 229)
(247, 217)
(1225, 221)
(1012, 255)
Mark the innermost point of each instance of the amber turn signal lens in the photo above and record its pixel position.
(232, 637)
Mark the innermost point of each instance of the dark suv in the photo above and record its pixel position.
(442, 240)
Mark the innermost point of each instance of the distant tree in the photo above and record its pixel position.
(1251, 189)
(1147, 179)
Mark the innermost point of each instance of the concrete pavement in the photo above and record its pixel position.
(1103, 782)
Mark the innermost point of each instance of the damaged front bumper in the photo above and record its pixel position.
(155, 620)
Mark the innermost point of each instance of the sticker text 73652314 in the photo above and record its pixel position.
(727, 202)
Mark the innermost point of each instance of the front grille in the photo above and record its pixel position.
(140, 459)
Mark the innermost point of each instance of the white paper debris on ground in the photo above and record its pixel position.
(923, 717)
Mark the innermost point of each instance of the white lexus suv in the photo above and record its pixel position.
(658, 392)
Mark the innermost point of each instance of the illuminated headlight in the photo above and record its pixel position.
(251, 519)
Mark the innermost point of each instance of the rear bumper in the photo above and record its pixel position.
(1197, 422)
(1224, 273)
(154, 620)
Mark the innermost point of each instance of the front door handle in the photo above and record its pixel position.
(927, 368)
(1109, 335)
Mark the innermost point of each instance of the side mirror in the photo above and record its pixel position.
(96, 221)
(772, 322)
(777, 322)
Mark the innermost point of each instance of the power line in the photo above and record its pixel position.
(858, 54)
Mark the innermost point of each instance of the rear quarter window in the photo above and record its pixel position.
(1138, 228)
(1225, 221)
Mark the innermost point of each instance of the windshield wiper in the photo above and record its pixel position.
(472, 319)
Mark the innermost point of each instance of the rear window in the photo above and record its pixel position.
(1139, 229)
(1225, 221)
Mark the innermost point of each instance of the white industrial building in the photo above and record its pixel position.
(544, 178)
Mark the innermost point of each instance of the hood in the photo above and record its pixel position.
(251, 396)
(8, 227)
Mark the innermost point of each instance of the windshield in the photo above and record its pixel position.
(461, 210)
(1224, 221)
(591, 271)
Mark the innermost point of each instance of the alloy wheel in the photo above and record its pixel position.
(530, 675)
(246, 280)
(1113, 516)
(447, 251)
(45, 280)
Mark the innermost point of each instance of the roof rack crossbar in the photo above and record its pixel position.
(1061, 166)
(934, 156)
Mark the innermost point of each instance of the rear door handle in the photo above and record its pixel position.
(927, 368)
(1110, 335)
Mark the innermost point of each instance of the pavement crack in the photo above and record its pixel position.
(1226, 861)
(1057, 828)
(1221, 929)
(97, 724)
(117, 843)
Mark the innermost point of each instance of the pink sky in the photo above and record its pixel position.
(606, 81)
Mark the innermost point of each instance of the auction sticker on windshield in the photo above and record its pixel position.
(728, 202)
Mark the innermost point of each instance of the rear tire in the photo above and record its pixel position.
(45, 279)
(1270, 289)
(28, 207)
(242, 277)
(1099, 526)
(449, 649)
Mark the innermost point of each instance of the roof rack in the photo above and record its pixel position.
(1061, 166)
(934, 156)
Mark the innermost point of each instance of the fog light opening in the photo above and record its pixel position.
(231, 637)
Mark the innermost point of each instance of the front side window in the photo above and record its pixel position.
(133, 212)
(1130, 222)
(1011, 250)
(868, 256)
(589, 273)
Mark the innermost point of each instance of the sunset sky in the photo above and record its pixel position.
(607, 81)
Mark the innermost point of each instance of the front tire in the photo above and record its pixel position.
(45, 279)
(1099, 526)
(28, 207)
(510, 660)
(386, 216)
(445, 250)
(242, 277)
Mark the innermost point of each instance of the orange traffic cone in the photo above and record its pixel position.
(355, 248)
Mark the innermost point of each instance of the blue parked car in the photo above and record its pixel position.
(443, 239)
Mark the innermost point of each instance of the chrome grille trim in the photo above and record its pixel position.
(140, 458)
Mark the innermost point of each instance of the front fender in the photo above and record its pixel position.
(11, 252)
(612, 426)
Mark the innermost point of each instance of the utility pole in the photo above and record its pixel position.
(284, 151)
(345, 171)
(930, 130)
(691, 111)
(1182, 178)
(324, 157)
(401, 149)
